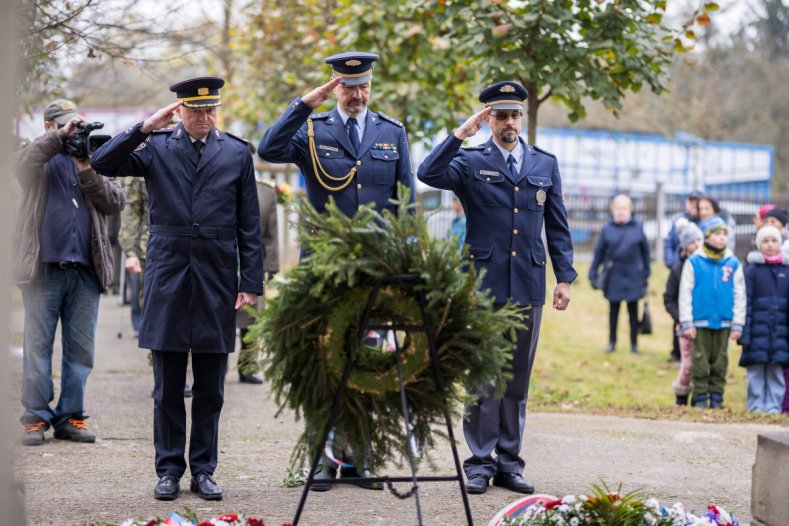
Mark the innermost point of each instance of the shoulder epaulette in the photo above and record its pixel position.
(546, 152)
(321, 115)
(477, 147)
(267, 182)
(163, 130)
(236, 137)
(386, 117)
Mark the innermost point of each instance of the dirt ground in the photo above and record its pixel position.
(113, 479)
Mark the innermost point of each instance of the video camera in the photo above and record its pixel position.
(82, 143)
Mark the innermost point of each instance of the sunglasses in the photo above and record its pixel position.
(502, 116)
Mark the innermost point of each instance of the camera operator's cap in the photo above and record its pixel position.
(354, 67)
(60, 111)
(202, 92)
(507, 95)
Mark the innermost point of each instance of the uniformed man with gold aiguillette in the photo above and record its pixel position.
(351, 153)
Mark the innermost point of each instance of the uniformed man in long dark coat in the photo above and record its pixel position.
(509, 191)
(351, 153)
(203, 264)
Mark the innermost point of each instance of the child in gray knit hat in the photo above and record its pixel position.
(690, 238)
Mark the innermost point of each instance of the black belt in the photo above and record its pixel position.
(206, 232)
(68, 264)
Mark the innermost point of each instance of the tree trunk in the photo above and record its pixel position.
(532, 106)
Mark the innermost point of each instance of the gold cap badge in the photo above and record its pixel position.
(353, 62)
(202, 91)
(507, 89)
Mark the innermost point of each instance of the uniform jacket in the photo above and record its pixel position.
(382, 162)
(764, 338)
(103, 196)
(712, 293)
(504, 220)
(204, 245)
(135, 222)
(627, 247)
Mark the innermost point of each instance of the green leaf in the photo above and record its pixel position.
(654, 18)
(711, 6)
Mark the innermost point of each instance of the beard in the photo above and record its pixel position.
(509, 135)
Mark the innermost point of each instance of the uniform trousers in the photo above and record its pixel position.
(169, 411)
(497, 425)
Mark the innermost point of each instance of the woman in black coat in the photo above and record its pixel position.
(622, 255)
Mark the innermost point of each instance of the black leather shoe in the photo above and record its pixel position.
(513, 482)
(167, 488)
(477, 484)
(253, 378)
(323, 475)
(365, 474)
(205, 487)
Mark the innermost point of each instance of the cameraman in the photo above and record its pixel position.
(62, 264)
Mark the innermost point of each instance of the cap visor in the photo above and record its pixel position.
(64, 119)
(355, 81)
(506, 106)
(205, 103)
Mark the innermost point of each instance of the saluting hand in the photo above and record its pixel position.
(161, 118)
(472, 125)
(319, 95)
(245, 298)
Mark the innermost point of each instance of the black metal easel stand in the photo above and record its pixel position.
(407, 282)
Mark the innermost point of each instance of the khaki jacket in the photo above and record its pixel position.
(103, 196)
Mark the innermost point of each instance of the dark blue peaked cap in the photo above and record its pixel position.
(354, 67)
(201, 92)
(507, 95)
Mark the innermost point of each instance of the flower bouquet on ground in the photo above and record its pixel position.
(607, 508)
(174, 519)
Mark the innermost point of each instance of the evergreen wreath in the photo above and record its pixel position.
(311, 326)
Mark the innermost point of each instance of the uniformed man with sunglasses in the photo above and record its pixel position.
(509, 191)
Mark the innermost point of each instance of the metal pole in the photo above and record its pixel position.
(660, 197)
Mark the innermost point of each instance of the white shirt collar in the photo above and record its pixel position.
(361, 119)
(517, 152)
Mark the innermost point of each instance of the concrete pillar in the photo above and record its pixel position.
(770, 481)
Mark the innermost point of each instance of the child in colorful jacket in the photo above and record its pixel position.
(765, 347)
(711, 311)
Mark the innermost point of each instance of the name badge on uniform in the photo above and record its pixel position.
(541, 196)
(330, 148)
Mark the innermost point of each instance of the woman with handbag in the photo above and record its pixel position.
(620, 267)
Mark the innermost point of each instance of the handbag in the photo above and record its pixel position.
(645, 325)
(602, 275)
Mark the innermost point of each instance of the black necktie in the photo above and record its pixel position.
(199, 147)
(513, 170)
(353, 134)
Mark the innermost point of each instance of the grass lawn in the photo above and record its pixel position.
(571, 372)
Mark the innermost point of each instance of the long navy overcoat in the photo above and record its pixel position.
(204, 246)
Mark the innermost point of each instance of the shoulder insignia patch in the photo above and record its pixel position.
(477, 147)
(386, 117)
(142, 145)
(322, 115)
(163, 130)
(546, 152)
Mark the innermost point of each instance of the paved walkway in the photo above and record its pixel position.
(113, 479)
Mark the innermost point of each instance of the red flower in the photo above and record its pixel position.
(287, 524)
(204, 523)
(228, 517)
(252, 521)
(152, 522)
(552, 504)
